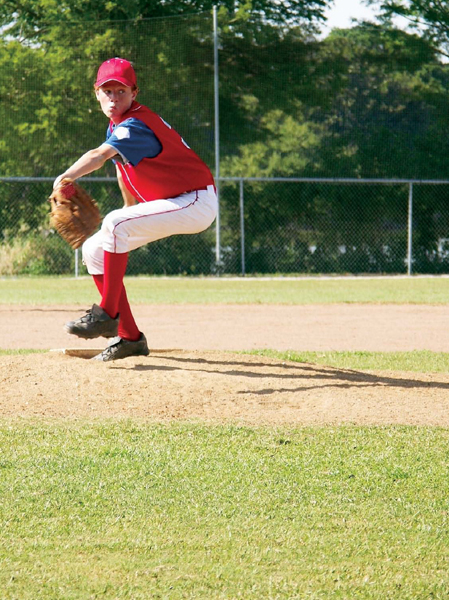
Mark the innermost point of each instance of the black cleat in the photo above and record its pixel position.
(95, 323)
(120, 348)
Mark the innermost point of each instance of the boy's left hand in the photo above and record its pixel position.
(74, 213)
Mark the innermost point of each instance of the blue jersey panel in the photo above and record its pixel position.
(134, 141)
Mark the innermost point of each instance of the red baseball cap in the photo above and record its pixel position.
(116, 69)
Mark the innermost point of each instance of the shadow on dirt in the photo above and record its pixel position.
(326, 377)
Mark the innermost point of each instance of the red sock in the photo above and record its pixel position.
(127, 328)
(98, 280)
(114, 272)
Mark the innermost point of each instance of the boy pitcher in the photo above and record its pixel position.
(167, 189)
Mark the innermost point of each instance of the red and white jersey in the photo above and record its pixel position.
(175, 168)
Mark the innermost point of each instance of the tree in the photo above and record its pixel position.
(33, 20)
(429, 17)
(47, 88)
(372, 106)
(173, 56)
(386, 109)
(364, 102)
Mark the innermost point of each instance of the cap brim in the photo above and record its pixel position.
(118, 79)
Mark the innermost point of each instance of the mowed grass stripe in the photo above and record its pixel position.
(125, 510)
(421, 361)
(67, 291)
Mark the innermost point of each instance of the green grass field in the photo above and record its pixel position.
(122, 510)
(421, 361)
(130, 510)
(401, 290)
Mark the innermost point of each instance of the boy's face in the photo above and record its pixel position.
(115, 99)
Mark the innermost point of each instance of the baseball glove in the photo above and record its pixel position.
(74, 213)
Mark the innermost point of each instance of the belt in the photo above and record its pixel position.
(196, 189)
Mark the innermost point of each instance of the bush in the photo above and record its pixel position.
(40, 254)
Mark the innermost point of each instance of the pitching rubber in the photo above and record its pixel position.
(91, 352)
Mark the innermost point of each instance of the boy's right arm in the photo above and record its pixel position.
(90, 161)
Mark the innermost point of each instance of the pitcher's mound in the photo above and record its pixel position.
(217, 387)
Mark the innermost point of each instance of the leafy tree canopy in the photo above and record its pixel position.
(31, 19)
(386, 115)
(429, 17)
(290, 147)
(372, 104)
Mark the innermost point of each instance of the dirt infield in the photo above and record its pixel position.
(195, 373)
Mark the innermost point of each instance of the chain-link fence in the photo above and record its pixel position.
(266, 226)
(334, 226)
(370, 102)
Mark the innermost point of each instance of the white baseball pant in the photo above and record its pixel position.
(134, 226)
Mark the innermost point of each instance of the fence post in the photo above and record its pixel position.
(242, 227)
(76, 263)
(217, 138)
(409, 229)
